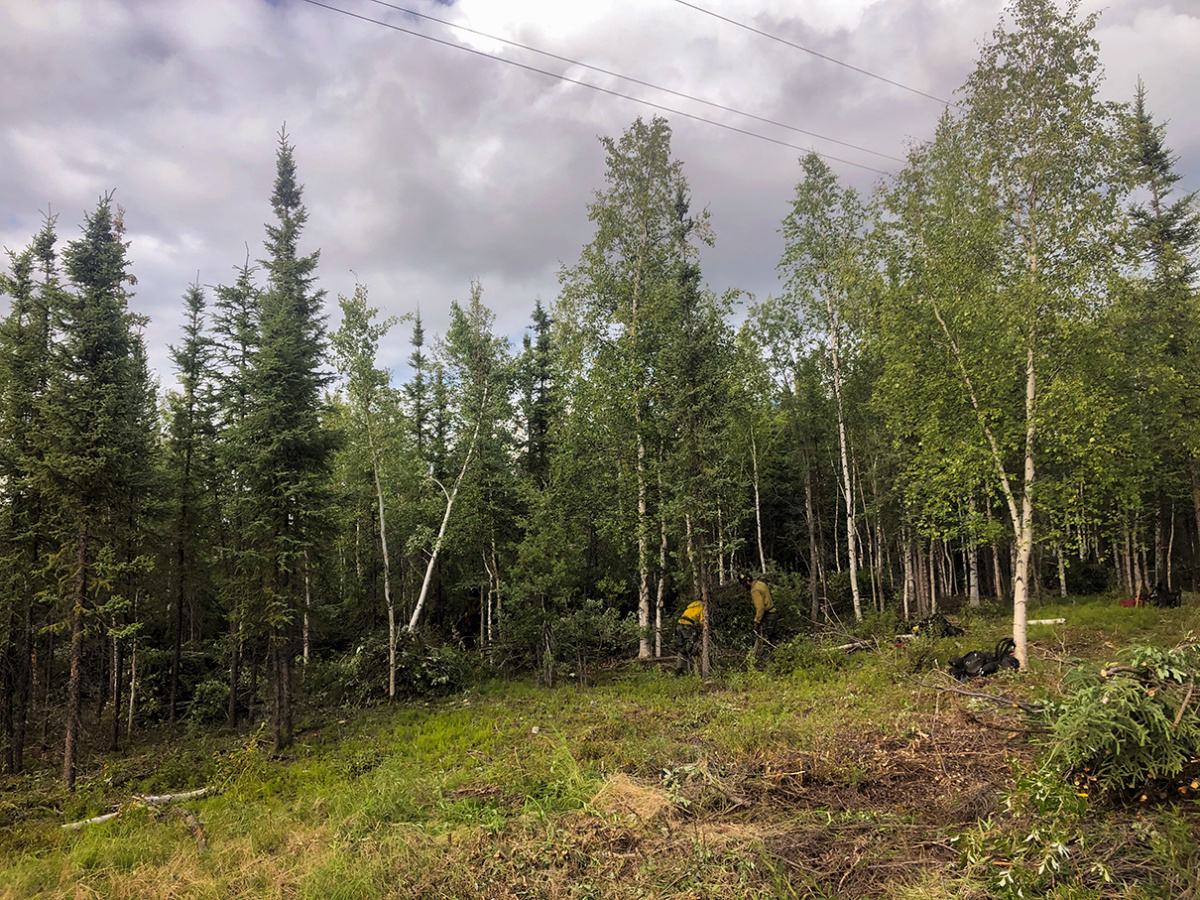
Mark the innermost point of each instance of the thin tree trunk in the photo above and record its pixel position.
(851, 535)
(133, 676)
(177, 644)
(813, 550)
(75, 684)
(762, 556)
(118, 669)
(837, 533)
(721, 550)
(305, 636)
(437, 544)
(24, 693)
(643, 542)
(932, 578)
(8, 676)
(908, 575)
(973, 560)
(1195, 470)
(1170, 546)
(700, 586)
(387, 563)
(1062, 570)
(662, 563)
(235, 660)
(923, 592)
(1131, 581)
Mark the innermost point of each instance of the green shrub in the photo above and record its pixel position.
(210, 701)
(805, 658)
(1037, 844)
(360, 677)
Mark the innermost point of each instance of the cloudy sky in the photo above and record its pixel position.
(426, 166)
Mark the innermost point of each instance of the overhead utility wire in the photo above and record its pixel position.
(611, 93)
(638, 81)
(831, 59)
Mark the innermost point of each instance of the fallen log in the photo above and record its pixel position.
(144, 799)
(75, 826)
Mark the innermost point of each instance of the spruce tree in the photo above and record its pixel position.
(235, 335)
(24, 367)
(416, 392)
(97, 436)
(539, 395)
(287, 448)
(190, 448)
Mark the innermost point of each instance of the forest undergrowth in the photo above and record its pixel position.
(818, 774)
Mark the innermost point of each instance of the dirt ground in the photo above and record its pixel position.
(858, 826)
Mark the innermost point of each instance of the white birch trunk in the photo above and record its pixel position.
(441, 536)
(387, 565)
(762, 557)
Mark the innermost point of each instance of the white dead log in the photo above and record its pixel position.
(148, 799)
(167, 798)
(75, 826)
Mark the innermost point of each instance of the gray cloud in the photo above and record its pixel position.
(425, 167)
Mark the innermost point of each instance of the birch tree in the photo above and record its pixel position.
(1009, 216)
(615, 296)
(355, 345)
(823, 269)
(479, 375)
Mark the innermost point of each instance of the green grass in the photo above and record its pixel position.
(752, 784)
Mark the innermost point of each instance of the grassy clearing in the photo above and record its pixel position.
(845, 777)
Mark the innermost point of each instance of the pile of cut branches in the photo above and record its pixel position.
(1133, 728)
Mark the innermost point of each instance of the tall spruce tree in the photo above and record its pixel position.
(286, 448)
(235, 335)
(30, 284)
(191, 451)
(97, 432)
(1157, 325)
(538, 402)
(418, 389)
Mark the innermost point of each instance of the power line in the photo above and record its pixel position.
(831, 59)
(603, 90)
(638, 81)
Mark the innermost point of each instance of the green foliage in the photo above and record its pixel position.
(359, 677)
(1130, 727)
(839, 593)
(806, 658)
(1036, 844)
(210, 701)
(1086, 578)
(248, 772)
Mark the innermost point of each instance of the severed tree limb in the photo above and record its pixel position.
(975, 720)
(167, 798)
(138, 799)
(998, 699)
(1183, 705)
(75, 826)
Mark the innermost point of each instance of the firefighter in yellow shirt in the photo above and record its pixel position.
(687, 635)
(765, 616)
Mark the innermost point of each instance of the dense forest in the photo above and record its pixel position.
(978, 382)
